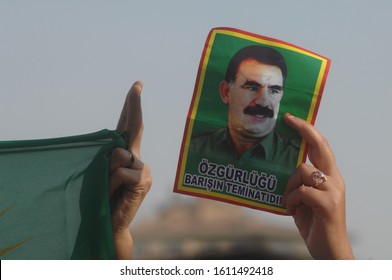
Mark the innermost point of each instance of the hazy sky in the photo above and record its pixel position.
(66, 66)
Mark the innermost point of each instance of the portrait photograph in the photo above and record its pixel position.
(236, 146)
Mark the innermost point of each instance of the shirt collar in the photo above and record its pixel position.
(261, 149)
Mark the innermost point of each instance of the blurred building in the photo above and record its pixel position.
(206, 229)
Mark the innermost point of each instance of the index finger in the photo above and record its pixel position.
(320, 153)
(131, 118)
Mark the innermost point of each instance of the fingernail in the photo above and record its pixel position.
(138, 83)
(289, 115)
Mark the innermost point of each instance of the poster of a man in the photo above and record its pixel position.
(236, 148)
(252, 90)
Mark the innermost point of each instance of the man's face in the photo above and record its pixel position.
(253, 98)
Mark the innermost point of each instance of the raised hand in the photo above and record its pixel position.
(130, 178)
(318, 209)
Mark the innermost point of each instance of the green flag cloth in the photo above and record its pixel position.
(54, 199)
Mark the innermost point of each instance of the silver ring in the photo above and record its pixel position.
(318, 178)
(131, 160)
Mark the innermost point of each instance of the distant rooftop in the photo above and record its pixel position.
(206, 229)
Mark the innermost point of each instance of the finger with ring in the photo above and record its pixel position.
(131, 160)
(318, 178)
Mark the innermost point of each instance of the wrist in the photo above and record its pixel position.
(123, 244)
(339, 243)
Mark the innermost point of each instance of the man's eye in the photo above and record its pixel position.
(252, 88)
(274, 90)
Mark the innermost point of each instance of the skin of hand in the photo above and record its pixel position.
(319, 212)
(128, 184)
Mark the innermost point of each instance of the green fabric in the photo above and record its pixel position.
(54, 201)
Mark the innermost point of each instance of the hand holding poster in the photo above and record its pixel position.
(236, 147)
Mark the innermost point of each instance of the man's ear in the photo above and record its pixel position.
(224, 89)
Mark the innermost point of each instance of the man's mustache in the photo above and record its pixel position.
(259, 110)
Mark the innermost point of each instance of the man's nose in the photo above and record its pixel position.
(261, 95)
